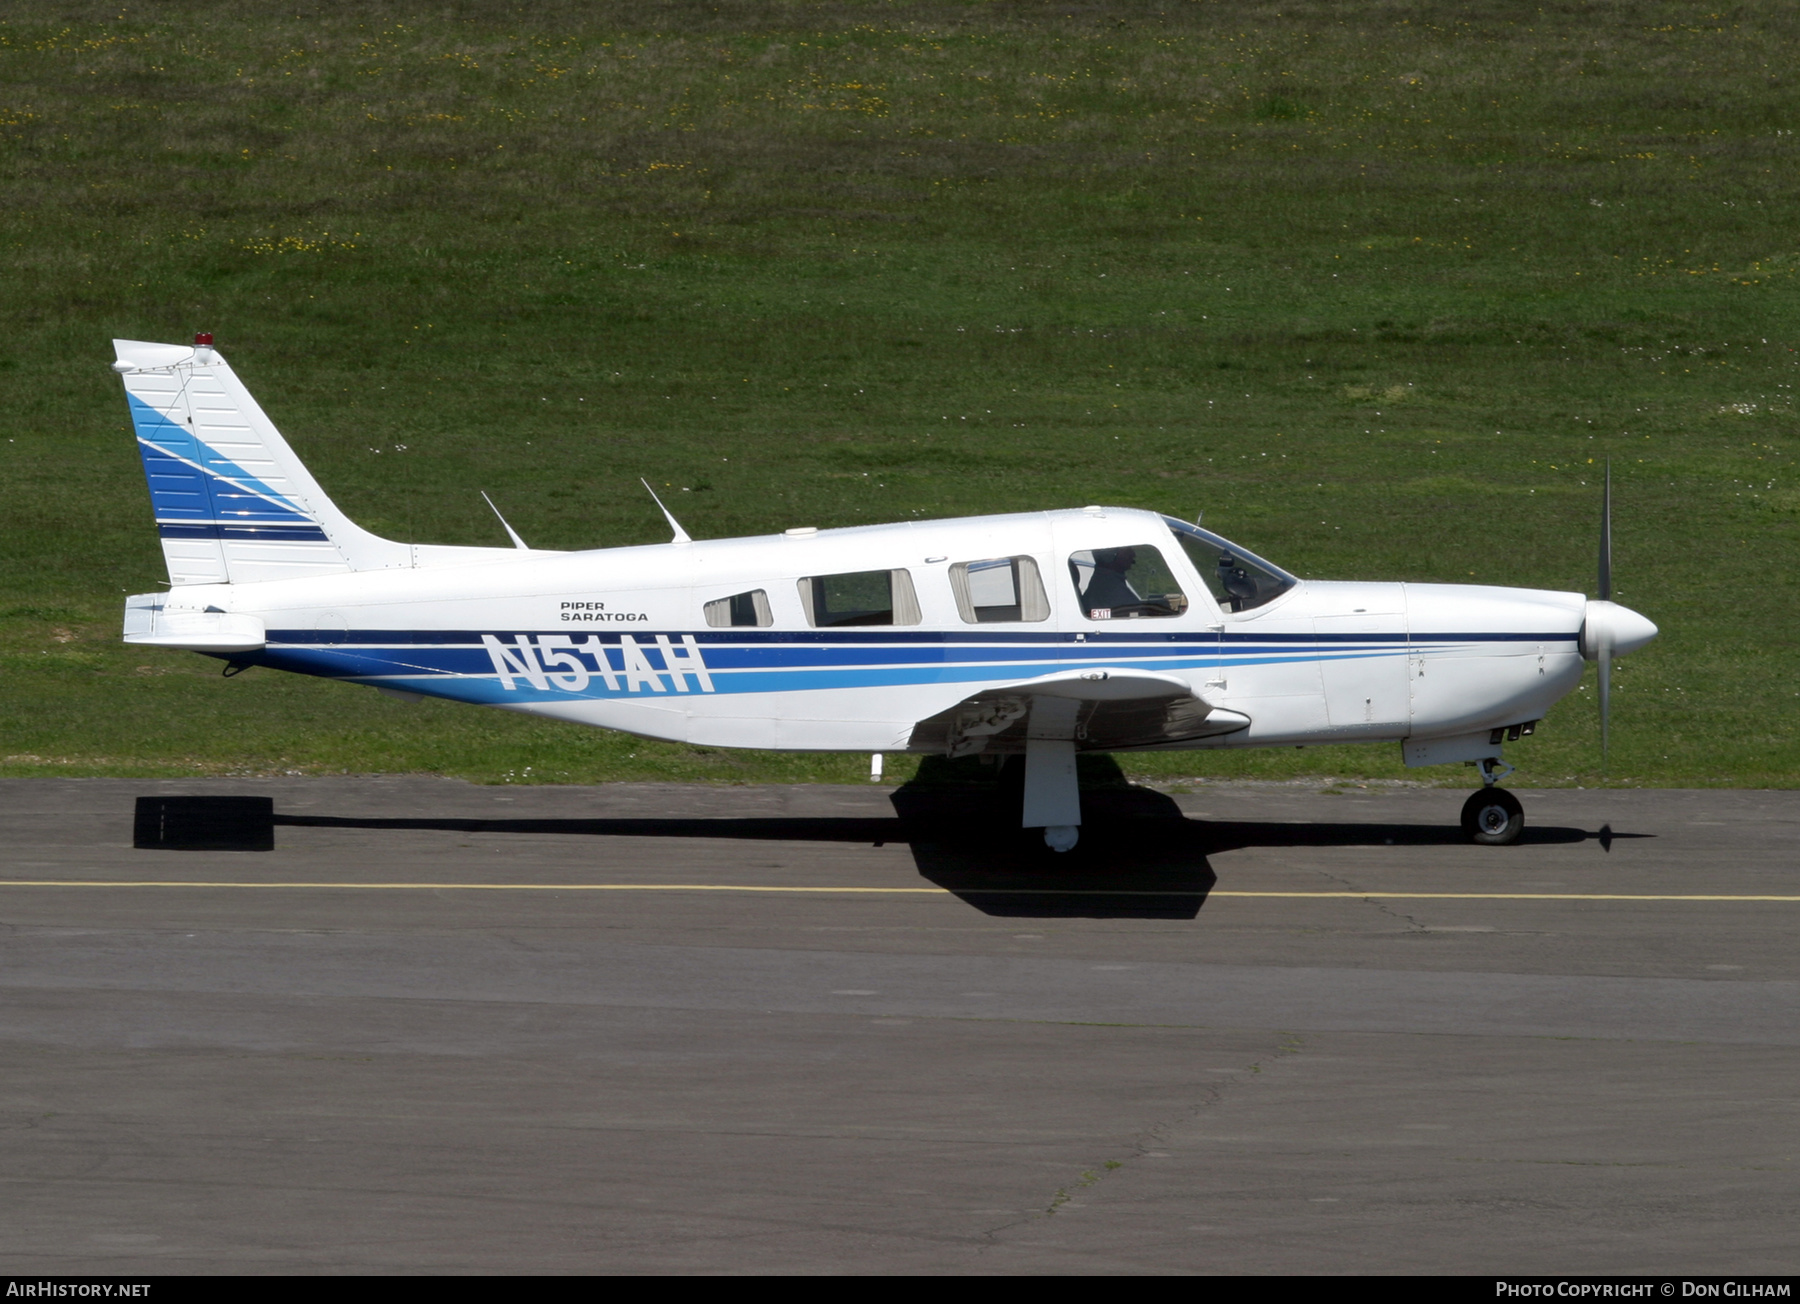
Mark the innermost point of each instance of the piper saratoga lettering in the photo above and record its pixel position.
(595, 613)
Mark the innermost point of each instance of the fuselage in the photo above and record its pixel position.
(732, 642)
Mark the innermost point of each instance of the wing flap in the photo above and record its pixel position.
(1115, 710)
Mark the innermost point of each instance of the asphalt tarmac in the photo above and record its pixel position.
(654, 1028)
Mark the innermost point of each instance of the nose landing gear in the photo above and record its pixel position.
(1493, 817)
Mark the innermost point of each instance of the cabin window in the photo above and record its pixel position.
(1240, 580)
(1127, 583)
(999, 589)
(750, 608)
(882, 597)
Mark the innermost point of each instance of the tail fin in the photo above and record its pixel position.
(233, 504)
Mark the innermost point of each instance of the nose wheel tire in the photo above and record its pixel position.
(1493, 817)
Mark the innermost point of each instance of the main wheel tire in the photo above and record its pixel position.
(1493, 817)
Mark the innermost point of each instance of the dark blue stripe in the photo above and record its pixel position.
(267, 533)
(774, 665)
(901, 641)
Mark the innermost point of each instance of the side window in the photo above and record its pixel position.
(880, 597)
(1125, 583)
(750, 608)
(999, 589)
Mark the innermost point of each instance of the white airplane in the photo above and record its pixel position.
(1039, 634)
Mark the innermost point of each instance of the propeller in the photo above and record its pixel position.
(1603, 652)
(1607, 629)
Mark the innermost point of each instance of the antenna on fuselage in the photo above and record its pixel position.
(511, 533)
(681, 535)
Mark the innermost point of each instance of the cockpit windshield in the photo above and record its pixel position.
(1240, 580)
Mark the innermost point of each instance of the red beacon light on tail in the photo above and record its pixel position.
(203, 340)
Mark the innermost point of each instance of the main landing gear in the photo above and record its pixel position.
(1492, 816)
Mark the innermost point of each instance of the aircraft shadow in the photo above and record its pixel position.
(1139, 856)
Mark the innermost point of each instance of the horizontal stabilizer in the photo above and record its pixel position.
(153, 620)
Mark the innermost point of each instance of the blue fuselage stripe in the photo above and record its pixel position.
(459, 664)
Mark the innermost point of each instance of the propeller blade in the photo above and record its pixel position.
(1606, 538)
(1603, 663)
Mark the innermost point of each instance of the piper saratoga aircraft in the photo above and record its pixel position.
(1036, 635)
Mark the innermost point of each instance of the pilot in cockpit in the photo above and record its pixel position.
(1109, 588)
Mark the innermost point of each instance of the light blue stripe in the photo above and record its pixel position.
(151, 425)
(487, 687)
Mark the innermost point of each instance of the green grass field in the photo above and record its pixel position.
(1378, 288)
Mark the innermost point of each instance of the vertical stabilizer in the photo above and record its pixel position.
(233, 504)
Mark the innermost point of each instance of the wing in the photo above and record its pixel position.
(1099, 709)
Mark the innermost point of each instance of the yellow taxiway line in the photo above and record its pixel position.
(891, 891)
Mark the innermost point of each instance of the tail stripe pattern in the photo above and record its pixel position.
(198, 493)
